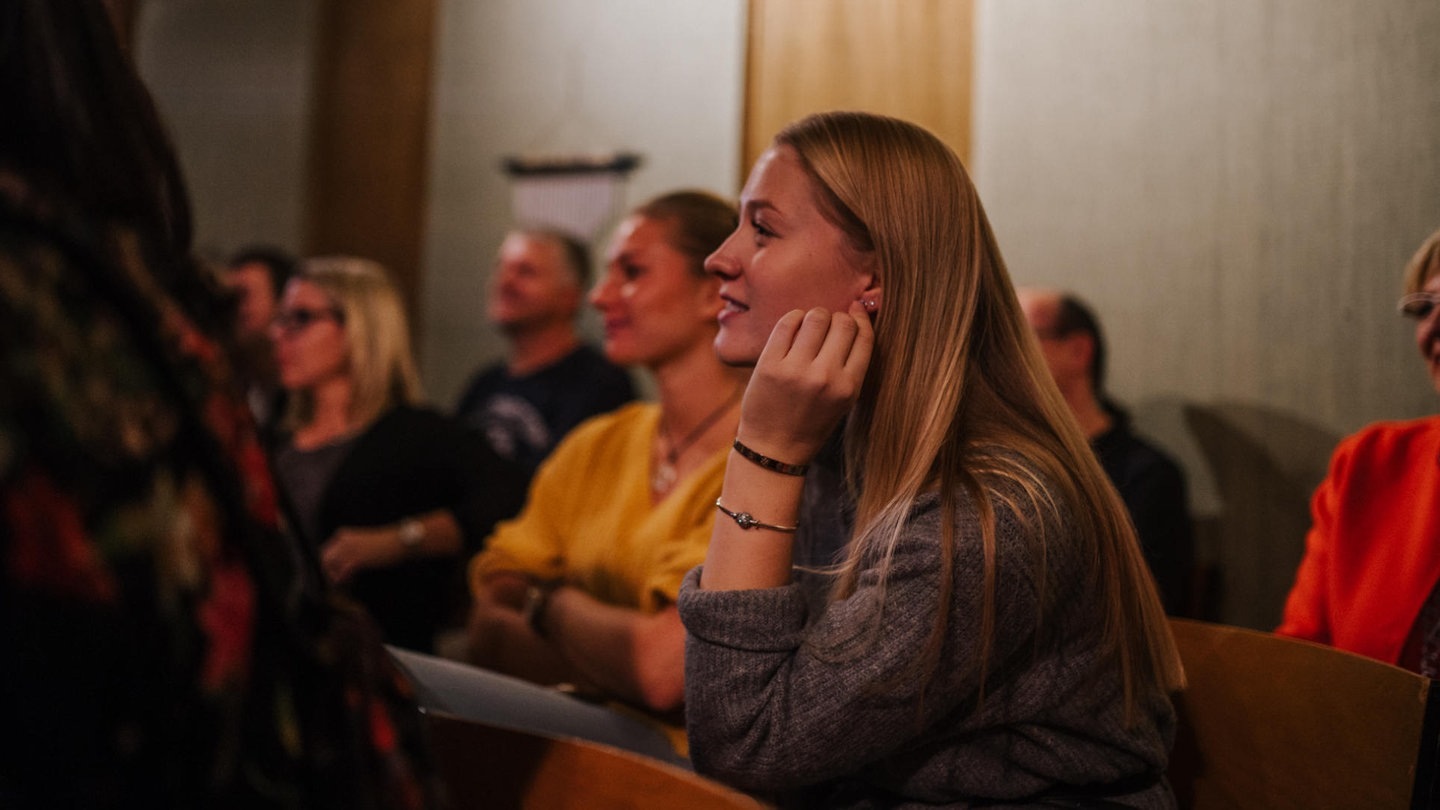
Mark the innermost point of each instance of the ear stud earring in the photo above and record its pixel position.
(868, 303)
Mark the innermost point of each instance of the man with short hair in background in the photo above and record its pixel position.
(257, 275)
(1149, 481)
(550, 380)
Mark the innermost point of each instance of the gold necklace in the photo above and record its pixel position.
(664, 476)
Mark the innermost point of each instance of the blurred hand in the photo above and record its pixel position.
(485, 629)
(352, 549)
(495, 610)
(806, 380)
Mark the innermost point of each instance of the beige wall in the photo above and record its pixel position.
(1235, 185)
(232, 79)
(659, 78)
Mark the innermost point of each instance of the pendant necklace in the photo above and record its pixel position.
(665, 475)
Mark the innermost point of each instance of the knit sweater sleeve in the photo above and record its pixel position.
(777, 699)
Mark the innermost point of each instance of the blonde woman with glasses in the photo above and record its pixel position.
(388, 496)
(1370, 578)
(991, 635)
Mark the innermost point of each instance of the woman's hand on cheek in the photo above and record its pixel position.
(806, 380)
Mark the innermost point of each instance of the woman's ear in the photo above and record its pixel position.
(872, 297)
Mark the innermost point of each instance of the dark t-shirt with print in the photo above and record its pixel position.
(524, 417)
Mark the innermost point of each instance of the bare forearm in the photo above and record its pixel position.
(501, 640)
(636, 657)
(439, 534)
(807, 378)
(352, 549)
(740, 558)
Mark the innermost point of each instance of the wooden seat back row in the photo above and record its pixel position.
(1272, 722)
(1267, 723)
(484, 766)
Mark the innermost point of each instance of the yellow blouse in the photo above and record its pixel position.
(589, 520)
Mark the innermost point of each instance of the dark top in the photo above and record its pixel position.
(305, 475)
(523, 418)
(150, 655)
(408, 462)
(1153, 489)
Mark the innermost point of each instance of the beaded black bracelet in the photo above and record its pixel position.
(769, 463)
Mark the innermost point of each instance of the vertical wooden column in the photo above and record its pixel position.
(906, 58)
(369, 132)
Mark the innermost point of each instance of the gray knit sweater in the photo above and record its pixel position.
(821, 710)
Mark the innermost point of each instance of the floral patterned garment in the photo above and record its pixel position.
(156, 648)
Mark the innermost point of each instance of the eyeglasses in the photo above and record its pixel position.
(291, 321)
(1419, 305)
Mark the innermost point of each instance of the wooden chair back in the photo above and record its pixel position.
(1272, 722)
(484, 766)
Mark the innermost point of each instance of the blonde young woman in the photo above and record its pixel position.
(581, 587)
(387, 495)
(992, 636)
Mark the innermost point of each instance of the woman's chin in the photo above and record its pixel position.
(620, 354)
(733, 353)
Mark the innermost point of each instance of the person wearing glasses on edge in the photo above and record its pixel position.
(992, 635)
(389, 497)
(1370, 578)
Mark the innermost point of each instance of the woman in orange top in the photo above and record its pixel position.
(1367, 583)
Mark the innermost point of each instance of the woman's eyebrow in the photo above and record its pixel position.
(752, 206)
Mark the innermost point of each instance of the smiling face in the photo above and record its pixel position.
(653, 304)
(784, 256)
(532, 285)
(311, 347)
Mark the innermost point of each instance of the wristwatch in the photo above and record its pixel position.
(412, 532)
(537, 598)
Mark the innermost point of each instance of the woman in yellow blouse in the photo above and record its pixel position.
(580, 588)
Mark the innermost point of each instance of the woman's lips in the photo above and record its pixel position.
(731, 309)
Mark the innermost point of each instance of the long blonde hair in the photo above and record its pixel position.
(382, 368)
(957, 388)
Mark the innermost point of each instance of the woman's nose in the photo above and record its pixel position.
(721, 263)
(603, 293)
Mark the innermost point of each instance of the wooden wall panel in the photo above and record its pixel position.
(369, 133)
(907, 58)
